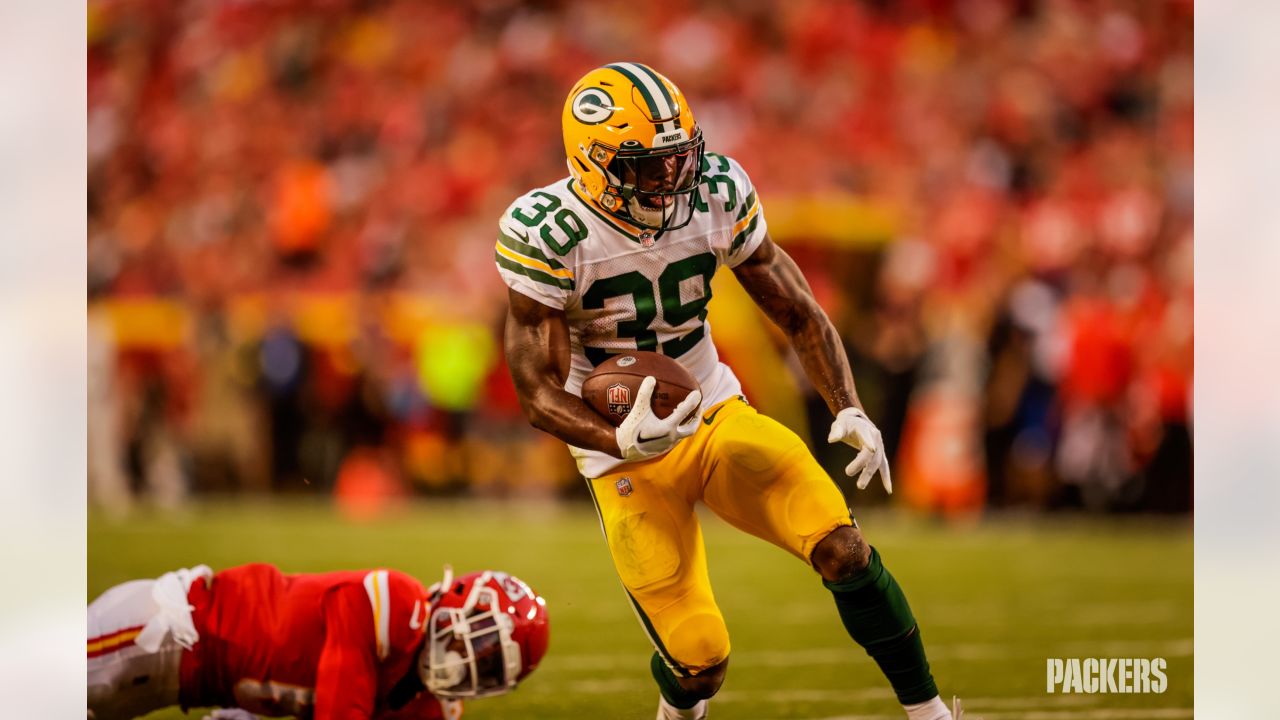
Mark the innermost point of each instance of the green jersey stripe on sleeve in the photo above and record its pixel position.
(746, 206)
(529, 251)
(532, 274)
(746, 233)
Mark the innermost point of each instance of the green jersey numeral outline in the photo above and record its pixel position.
(675, 311)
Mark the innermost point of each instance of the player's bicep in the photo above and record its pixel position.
(775, 283)
(537, 343)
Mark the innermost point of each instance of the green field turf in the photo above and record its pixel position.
(994, 600)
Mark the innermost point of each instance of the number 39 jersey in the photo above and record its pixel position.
(622, 289)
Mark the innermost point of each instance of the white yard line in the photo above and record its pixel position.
(1100, 714)
(1029, 707)
(802, 695)
(1176, 648)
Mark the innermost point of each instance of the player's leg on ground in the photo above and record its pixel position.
(647, 514)
(765, 482)
(685, 698)
(876, 615)
(124, 681)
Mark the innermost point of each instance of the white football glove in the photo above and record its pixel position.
(231, 714)
(853, 427)
(643, 435)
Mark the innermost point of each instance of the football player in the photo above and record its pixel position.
(619, 256)
(330, 646)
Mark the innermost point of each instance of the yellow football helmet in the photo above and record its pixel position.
(632, 145)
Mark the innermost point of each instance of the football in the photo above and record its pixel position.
(611, 388)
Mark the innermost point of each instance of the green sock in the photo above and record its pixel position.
(876, 615)
(669, 686)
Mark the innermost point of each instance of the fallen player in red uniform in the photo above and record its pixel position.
(353, 645)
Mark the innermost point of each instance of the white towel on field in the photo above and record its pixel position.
(173, 612)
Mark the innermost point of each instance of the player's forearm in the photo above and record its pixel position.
(822, 355)
(772, 279)
(537, 348)
(567, 417)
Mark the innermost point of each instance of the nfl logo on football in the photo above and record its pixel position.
(618, 396)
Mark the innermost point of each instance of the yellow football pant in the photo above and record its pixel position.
(751, 471)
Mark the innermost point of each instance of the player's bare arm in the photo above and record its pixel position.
(772, 279)
(537, 340)
(537, 347)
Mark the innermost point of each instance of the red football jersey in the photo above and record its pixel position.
(327, 646)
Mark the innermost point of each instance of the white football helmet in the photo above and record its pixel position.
(487, 631)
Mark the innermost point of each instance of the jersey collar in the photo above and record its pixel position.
(627, 230)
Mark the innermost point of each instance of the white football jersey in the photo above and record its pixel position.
(621, 290)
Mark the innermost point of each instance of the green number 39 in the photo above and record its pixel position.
(674, 311)
(564, 219)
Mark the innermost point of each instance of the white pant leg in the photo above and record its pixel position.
(125, 681)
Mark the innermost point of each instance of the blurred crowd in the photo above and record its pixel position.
(292, 207)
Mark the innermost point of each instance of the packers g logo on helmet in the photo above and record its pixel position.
(593, 106)
(633, 147)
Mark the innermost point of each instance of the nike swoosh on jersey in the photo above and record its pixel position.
(712, 416)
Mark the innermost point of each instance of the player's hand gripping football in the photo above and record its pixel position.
(643, 434)
(854, 428)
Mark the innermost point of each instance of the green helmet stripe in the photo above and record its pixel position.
(632, 72)
(662, 88)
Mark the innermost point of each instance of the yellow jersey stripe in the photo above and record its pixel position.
(755, 208)
(375, 584)
(532, 264)
(115, 640)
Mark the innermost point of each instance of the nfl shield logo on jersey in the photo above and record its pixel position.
(624, 486)
(618, 397)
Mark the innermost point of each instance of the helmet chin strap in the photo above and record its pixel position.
(647, 215)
